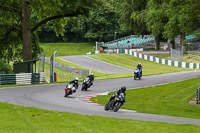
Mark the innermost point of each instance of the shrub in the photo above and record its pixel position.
(5, 68)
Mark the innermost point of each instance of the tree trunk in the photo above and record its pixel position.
(173, 44)
(26, 31)
(183, 43)
(157, 39)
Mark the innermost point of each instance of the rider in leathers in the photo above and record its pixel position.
(91, 78)
(119, 91)
(139, 66)
(75, 83)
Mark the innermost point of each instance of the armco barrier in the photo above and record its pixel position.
(68, 68)
(157, 60)
(22, 78)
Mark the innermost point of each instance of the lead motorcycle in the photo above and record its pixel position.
(115, 103)
(70, 89)
(86, 84)
(137, 73)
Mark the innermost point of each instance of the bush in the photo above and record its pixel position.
(5, 68)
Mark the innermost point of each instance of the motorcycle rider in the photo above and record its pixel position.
(91, 78)
(139, 66)
(118, 92)
(75, 83)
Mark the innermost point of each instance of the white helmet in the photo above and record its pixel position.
(76, 78)
(139, 63)
(91, 74)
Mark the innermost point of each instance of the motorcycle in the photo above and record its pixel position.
(115, 103)
(70, 89)
(86, 84)
(137, 73)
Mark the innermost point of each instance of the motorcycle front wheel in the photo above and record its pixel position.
(117, 106)
(107, 106)
(83, 87)
(134, 77)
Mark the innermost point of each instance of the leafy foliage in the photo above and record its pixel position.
(132, 16)
(5, 67)
(53, 12)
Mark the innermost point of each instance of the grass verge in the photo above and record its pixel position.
(66, 49)
(130, 62)
(20, 119)
(127, 61)
(170, 99)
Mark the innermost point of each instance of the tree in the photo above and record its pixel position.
(156, 18)
(24, 17)
(183, 18)
(132, 16)
(100, 25)
(172, 18)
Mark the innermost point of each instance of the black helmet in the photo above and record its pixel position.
(123, 88)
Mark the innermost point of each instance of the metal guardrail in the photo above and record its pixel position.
(82, 72)
(195, 57)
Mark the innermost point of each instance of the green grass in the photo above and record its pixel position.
(18, 119)
(98, 75)
(130, 62)
(62, 75)
(170, 99)
(127, 61)
(66, 49)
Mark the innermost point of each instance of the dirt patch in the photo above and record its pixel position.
(194, 102)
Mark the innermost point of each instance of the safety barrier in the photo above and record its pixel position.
(82, 72)
(22, 78)
(164, 61)
(134, 53)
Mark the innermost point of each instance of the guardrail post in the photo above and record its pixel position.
(52, 67)
(198, 96)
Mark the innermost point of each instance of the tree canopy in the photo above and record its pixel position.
(90, 20)
(21, 18)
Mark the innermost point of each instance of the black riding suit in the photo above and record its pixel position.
(75, 83)
(91, 78)
(119, 91)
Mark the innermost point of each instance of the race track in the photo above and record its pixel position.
(96, 65)
(51, 97)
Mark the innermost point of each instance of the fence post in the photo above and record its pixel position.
(198, 96)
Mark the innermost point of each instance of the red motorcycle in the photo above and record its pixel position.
(70, 89)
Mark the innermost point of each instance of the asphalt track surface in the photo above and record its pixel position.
(96, 65)
(51, 97)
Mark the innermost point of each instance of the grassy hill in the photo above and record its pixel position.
(66, 49)
(18, 119)
(171, 99)
(130, 62)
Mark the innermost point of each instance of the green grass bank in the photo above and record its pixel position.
(66, 49)
(171, 99)
(18, 119)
